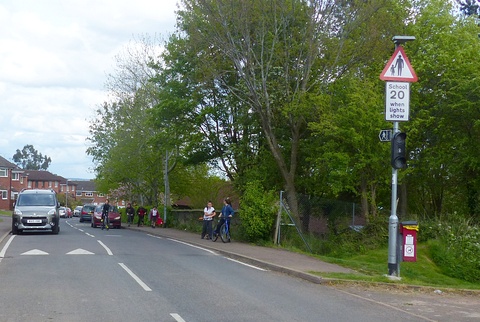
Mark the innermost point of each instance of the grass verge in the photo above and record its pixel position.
(373, 267)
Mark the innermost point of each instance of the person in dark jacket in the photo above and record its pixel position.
(225, 214)
(130, 214)
(141, 212)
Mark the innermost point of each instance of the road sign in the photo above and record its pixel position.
(385, 135)
(397, 103)
(399, 68)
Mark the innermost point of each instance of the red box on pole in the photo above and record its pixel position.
(409, 231)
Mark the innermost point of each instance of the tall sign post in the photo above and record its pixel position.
(398, 74)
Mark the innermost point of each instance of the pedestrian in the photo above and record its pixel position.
(130, 214)
(208, 214)
(141, 212)
(153, 216)
(225, 214)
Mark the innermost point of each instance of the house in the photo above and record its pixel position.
(42, 179)
(12, 181)
(86, 192)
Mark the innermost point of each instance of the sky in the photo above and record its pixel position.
(55, 56)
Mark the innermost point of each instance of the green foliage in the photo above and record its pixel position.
(257, 212)
(455, 248)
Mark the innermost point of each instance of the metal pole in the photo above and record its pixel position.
(393, 268)
(165, 178)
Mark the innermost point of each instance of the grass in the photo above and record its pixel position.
(373, 267)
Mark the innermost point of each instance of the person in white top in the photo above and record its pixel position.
(208, 214)
(153, 216)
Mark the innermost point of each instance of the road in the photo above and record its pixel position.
(86, 274)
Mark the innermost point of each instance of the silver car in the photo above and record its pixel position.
(36, 209)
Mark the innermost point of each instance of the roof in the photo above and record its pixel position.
(84, 185)
(4, 163)
(43, 175)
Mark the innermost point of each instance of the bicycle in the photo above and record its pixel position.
(224, 232)
(105, 221)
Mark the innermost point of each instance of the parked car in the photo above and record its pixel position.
(113, 216)
(86, 213)
(77, 211)
(63, 212)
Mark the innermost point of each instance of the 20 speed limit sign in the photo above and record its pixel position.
(397, 103)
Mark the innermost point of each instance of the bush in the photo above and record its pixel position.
(257, 212)
(455, 248)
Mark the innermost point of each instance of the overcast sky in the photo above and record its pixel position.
(54, 58)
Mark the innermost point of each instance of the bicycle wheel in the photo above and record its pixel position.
(214, 237)
(225, 233)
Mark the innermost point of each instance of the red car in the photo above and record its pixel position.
(113, 216)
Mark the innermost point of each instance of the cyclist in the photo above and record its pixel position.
(105, 210)
(225, 215)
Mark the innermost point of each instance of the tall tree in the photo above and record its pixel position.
(30, 159)
(444, 131)
(279, 54)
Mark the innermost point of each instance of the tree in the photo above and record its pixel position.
(31, 159)
(272, 59)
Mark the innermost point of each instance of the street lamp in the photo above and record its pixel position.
(66, 197)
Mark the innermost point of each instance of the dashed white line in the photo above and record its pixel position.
(248, 265)
(177, 317)
(194, 246)
(135, 277)
(109, 252)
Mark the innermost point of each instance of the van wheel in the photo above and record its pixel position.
(14, 230)
(56, 230)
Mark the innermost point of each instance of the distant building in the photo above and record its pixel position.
(86, 192)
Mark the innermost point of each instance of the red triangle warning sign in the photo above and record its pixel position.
(399, 68)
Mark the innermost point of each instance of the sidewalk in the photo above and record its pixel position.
(273, 259)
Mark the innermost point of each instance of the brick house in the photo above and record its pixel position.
(12, 181)
(87, 193)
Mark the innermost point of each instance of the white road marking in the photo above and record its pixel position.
(35, 252)
(109, 252)
(194, 246)
(177, 317)
(154, 236)
(251, 266)
(90, 235)
(80, 251)
(135, 277)
(4, 249)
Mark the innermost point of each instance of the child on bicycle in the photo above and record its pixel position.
(225, 214)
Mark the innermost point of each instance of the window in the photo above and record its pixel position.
(3, 172)
(30, 184)
(101, 195)
(15, 176)
(4, 194)
(78, 193)
(49, 184)
(88, 194)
